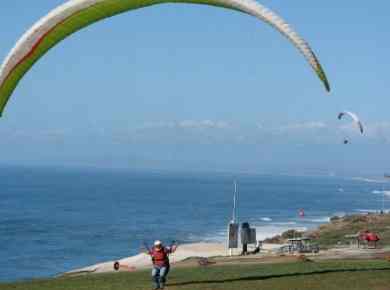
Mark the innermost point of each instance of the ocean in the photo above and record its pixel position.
(55, 220)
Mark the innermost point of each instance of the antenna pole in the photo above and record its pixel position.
(235, 203)
(237, 200)
(235, 211)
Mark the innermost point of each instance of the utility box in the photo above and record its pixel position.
(245, 229)
(248, 234)
(252, 236)
(233, 236)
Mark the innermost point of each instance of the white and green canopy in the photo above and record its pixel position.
(76, 14)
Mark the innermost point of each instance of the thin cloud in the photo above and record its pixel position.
(304, 126)
(206, 131)
(204, 124)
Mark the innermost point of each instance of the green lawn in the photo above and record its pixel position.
(337, 275)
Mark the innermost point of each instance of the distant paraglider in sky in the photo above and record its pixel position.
(356, 122)
(355, 119)
(301, 213)
(77, 14)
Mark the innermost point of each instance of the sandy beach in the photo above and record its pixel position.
(218, 250)
(186, 251)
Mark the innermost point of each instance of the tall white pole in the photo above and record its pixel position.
(234, 215)
(235, 203)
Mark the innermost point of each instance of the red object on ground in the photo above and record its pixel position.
(371, 237)
(118, 266)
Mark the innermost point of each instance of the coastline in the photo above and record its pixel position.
(186, 251)
(329, 236)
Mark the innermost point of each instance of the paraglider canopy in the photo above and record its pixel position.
(355, 119)
(74, 15)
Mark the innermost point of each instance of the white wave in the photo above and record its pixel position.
(373, 211)
(367, 180)
(385, 192)
(266, 219)
(368, 210)
(319, 220)
(284, 224)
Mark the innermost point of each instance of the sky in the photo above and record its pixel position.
(189, 87)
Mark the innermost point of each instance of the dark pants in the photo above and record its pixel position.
(159, 275)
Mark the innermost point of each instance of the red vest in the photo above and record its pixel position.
(160, 258)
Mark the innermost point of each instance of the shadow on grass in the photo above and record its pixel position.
(273, 276)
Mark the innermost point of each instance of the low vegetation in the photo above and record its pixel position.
(334, 232)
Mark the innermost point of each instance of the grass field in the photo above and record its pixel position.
(337, 275)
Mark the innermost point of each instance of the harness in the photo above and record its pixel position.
(160, 257)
